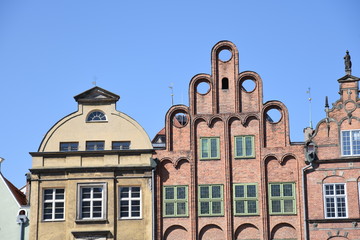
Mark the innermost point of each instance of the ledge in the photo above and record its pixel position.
(91, 153)
(89, 221)
(334, 220)
(90, 169)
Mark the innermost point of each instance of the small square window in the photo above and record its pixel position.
(69, 146)
(121, 145)
(282, 198)
(211, 200)
(210, 148)
(95, 145)
(245, 199)
(175, 201)
(244, 147)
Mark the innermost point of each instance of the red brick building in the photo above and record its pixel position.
(228, 169)
(332, 192)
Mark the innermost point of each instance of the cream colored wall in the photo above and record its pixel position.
(118, 127)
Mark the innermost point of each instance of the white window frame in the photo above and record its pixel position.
(335, 196)
(91, 200)
(129, 199)
(53, 202)
(350, 140)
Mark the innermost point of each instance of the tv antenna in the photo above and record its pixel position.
(172, 93)
(310, 114)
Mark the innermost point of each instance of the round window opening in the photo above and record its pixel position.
(273, 115)
(203, 87)
(248, 85)
(96, 116)
(225, 55)
(180, 120)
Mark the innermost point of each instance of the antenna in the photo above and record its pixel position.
(94, 82)
(172, 93)
(310, 115)
(1, 160)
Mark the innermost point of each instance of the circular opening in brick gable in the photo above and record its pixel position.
(180, 120)
(248, 85)
(273, 115)
(203, 88)
(225, 55)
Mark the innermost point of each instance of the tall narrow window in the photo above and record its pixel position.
(282, 198)
(92, 201)
(211, 200)
(175, 201)
(335, 200)
(245, 199)
(350, 142)
(244, 147)
(54, 204)
(225, 83)
(130, 202)
(209, 148)
(95, 145)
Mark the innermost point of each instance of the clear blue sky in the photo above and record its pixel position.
(51, 51)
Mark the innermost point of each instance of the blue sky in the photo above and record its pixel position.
(51, 51)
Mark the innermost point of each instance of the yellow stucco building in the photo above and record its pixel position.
(92, 175)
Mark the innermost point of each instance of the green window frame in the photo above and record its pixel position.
(210, 148)
(244, 146)
(175, 201)
(211, 200)
(245, 197)
(282, 198)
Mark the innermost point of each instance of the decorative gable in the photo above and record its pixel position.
(96, 95)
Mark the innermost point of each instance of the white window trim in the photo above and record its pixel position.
(52, 201)
(129, 199)
(334, 196)
(103, 201)
(351, 143)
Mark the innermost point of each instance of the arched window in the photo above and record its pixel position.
(96, 116)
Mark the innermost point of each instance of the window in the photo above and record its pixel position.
(92, 201)
(245, 199)
(211, 200)
(175, 201)
(282, 198)
(123, 145)
(69, 146)
(335, 200)
(54, 201)
(96, 116)
(210, 148)
(244, 147)
(350, 142)
(95, 145)
(130, 202)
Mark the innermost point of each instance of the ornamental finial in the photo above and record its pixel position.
(347, 59)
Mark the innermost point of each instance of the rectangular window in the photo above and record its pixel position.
(175, 201)
(282, 198)
(130, 202)
(211, 200)
(95, 145)
(54, 204)
(335, 200)
(122, 145)
(92, 201)
(350, 142)
(69, 146)
(210, 148)
(244, 147)
(245, 199)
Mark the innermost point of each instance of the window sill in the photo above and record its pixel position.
(247, 215)
(53, 220)
(333, 220)
(222, 215)
(133, 218)
(283, 214)
(245, 158)
(91, 221)
(210, 159)
(175, 216)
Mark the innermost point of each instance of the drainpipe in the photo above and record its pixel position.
(153, 201)
(21, 219)
(304, 201)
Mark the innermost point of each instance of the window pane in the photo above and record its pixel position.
(239, 146)
(276, 206)
(59, 194)
(181, 193)
(249, 147)
(204, 148)
(341, 206)
(204, 208)
(169, 208)
(48, 194)
(97, 192)
(252, 207)
(329, 189)
(251, 190)
(287, 190)
(216, 192)
(204, 192)
(181, 208)
(275, 190)
(340, 189)
(214, 148)
(86, 192)
(216, 207)
(135, 192)
(355, 142)
(346, 142)
(330, 207)
(124, 192)
(288, 206)
(169, 193)
(239, 191)
(240, 206)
